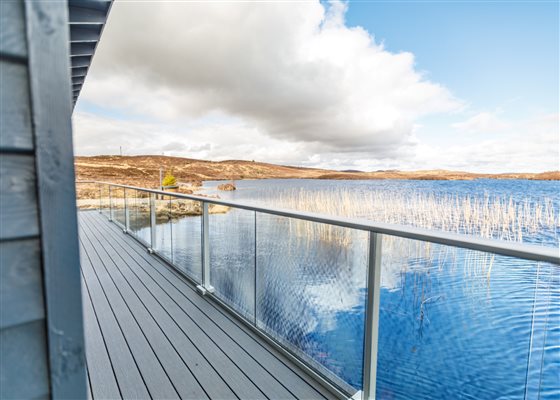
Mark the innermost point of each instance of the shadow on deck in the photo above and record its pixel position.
(149, 334)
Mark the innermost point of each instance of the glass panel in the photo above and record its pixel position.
(118, 204)
(187, 237)
(456, 323)
(139, 214)
(104, 190)
(549, 369)
(164, 227)
(87, 196)
(311, 292)
(232, 257)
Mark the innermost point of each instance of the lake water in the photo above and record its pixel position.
(453, 323)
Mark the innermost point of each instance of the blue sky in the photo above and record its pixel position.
(488, 52)
(456, 84)
(496, 55)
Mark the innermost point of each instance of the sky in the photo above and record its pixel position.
(367, 85)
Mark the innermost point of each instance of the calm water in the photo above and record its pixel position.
(453, 323)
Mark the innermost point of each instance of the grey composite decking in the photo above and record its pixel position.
(149, 334)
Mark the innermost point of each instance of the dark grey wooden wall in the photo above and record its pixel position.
(41, 333)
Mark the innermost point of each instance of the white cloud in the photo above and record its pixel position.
(293, 72)
(530, 145)
(483, 122)
(514, 152)
(284, 83)
(218, 140)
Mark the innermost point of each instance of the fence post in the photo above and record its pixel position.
(255, 288)
(372, 316)
(153, 221)
(205, 287)
(126, 213)
(110, 204)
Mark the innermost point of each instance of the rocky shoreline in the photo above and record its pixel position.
(165, 209)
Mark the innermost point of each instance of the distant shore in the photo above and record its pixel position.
(144, 171)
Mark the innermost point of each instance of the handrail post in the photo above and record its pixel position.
(110, 204)
(205, 287)
(372, 316)
(255, 284)
(126, 213)
(153, 222)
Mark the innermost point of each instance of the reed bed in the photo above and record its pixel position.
(488, 216)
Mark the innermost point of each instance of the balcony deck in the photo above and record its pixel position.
(149, 334)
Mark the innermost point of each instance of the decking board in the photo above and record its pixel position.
(229, 360)
(301, 385)
(126, 371)
(199, 347)
(157, 382)
(100, 370)
(173, 346)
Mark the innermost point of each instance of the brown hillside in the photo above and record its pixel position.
(144, 171)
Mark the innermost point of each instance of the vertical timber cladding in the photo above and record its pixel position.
(51, 109)
(24, 371)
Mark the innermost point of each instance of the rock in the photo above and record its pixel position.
(227, 187)
(182, 208)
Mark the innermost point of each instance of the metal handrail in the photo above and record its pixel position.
(500, 247)
(375, 230)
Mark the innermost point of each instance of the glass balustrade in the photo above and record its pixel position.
(458, 323)
(452, 322)
(164, 228)
(118, 205)
(232, 258)
(138, 203)
(186, 240)
(311, 292)
(104, 200)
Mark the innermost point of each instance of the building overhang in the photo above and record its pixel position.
(86, 19)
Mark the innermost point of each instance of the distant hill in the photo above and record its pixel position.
(144, 171)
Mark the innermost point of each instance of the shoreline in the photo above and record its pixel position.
(146, 169)
(403, 178)
(179, 207)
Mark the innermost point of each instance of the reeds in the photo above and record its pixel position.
(487, 216)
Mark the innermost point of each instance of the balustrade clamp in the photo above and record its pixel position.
(205, 287)
(357, 396)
